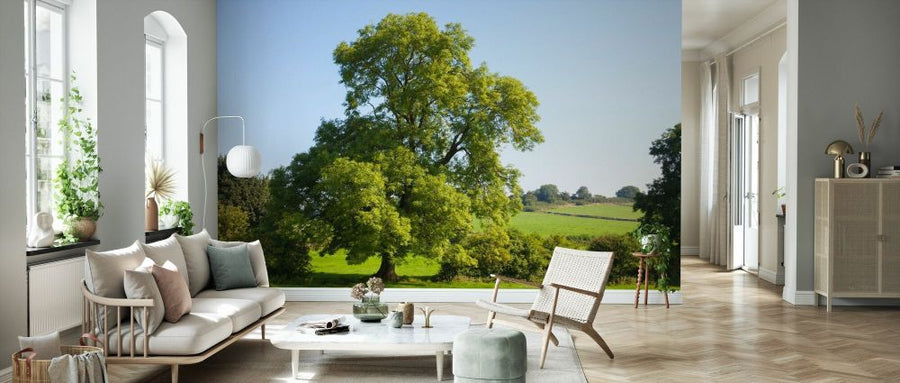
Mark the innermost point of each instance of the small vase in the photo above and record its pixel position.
(152, 216)
(395, 319)
(409, 312)
(370, 309)
(865, 158)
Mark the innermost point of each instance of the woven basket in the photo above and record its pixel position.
(31, 370)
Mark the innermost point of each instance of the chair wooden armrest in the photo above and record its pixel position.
(519, 281)
(115, 302)
(577, 290)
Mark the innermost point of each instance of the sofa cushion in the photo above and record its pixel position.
(104, 273)
(193, 334)
(167, 250)
(268, 299)
(194, 249)
(141, 285)
(242, 312)
(175, 295)
(257, 259)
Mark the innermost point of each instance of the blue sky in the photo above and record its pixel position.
(607, 74)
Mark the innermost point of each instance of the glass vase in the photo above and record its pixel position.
(370, 309)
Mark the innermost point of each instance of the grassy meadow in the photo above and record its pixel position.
(333, 271)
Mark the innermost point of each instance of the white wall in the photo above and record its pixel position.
(12, 194)
(762, 56)
(848, 53)
(120, 34)
(690, 157)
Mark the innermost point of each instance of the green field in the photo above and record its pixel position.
(333, 270)
(549, 224)
(600, 210)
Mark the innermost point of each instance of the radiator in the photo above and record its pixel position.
(54, 296)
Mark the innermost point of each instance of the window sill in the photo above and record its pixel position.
(36, 256)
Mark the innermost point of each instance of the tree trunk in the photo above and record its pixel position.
(386, 272)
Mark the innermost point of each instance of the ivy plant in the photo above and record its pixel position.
(77, 178)
(182, 211)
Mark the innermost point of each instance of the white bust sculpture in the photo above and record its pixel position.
(41, 232)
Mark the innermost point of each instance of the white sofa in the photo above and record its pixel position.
(216, 318)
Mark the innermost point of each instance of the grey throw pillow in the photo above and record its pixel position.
(142, 285)
(230, 267)
(45, 346)
(257, 259)
(194, 248)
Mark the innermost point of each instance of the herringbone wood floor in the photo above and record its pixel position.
(733, 327)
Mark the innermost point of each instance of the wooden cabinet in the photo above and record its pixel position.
(857, 238)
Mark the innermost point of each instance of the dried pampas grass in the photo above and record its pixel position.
(865, 139)
(160, 180)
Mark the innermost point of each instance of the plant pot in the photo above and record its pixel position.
(84, 228)
(152, 215)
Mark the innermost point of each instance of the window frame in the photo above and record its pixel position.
(32, 158)
(161, 45)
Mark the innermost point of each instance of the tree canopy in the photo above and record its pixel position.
(628, 192)
(547, 193)
(415, 157)
(583, 193)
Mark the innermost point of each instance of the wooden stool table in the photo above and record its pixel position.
(644, 270)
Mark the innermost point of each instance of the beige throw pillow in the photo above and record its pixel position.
(257, 259)
(168, 250)
(194, 248)
(45, 346)
(104, 274)
(174, 291)
(141, 284)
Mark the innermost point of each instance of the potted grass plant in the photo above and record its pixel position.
(160, 186)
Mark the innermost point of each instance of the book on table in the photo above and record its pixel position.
(327, 326)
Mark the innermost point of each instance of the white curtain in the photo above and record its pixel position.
(707, 130)
(719, 219)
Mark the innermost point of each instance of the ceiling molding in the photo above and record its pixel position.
(691, 55)
(762, 23)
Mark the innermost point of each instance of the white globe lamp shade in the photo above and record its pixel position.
(243, 161)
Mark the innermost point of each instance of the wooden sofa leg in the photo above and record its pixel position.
(174, 373)
(263, 330)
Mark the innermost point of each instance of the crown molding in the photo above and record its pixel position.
(763, 23)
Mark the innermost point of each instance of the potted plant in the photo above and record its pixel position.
(865, 139)
(779, 194)
(160, 186)
(182, 213)
(77, 178)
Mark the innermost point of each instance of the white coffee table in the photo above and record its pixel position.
(374, 337)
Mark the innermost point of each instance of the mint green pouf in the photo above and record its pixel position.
(489, 355)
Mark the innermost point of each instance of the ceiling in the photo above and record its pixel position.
(703, 22)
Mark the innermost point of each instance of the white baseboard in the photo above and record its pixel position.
(341, 294)
(690, 250)
(6, 375)
(799, 298)
(771, 276)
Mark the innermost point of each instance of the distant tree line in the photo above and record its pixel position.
(550, 194)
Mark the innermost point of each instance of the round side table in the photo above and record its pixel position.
(644, 271)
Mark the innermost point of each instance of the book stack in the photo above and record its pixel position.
(889, 172)
(324, 327)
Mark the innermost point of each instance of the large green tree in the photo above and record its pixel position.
(415, 157)
(661, 203)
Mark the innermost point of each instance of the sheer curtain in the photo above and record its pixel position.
(718, 172)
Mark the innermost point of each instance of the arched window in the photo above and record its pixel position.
(166, 127)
